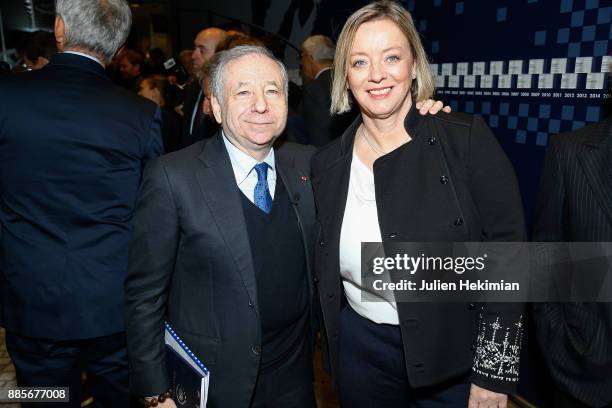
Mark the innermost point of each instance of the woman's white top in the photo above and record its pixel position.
(360, 224)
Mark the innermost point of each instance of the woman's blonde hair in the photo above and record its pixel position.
(422, 86)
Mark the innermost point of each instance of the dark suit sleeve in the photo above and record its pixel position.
(154, 145)
(151, 262)
(315, 112)
(549, 225)
(496, 195)
(561, 341)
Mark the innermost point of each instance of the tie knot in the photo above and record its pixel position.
(262, 171)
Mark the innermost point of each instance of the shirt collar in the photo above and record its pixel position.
(242, 163)
(322, 71)
(84, 55)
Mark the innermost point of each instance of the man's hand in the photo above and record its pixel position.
(431, 106)
(169, 403)
(481, 398)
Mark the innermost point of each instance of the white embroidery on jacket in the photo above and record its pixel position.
(498, 350)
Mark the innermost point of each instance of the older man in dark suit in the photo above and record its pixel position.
(575, 204)
(224, 232)
(72, 146)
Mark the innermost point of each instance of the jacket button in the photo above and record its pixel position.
(256, 349)
(251, 304)
(472, 306)
(443, 179)
(458, 222)
(316, 280)
(432, 141)
(393, 235)
(322, 243)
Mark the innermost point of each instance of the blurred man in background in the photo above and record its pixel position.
(316, 58)
(132, 68)
(205, 44)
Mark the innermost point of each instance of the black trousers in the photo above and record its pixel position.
(372, 373)
(287, 386)
(48, 363)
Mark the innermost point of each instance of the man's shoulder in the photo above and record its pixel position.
(319, 87)
(595, 133)
(183, 158)
(131, 99)
(18, 83)
(296, 150)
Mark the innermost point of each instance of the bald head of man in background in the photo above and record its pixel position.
(205, 44)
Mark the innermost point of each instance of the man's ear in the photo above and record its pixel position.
(60, 33)
(158, 94)
(216, 108)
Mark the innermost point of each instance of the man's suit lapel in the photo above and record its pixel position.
(221, 194)
(596, 161)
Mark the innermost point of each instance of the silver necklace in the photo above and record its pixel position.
(374, 148)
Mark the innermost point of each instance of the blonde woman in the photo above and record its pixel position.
(395, 175)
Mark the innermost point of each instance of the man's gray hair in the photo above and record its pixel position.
(221, 59)
(320, 48)
(99, 26)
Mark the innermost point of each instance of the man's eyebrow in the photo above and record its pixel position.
(241, 84)
(272, 83)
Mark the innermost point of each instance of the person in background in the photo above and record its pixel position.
(131, 68)
(156, 60)
(395, 175)
(575, 205)
(194, 123)
(208, 125)
(316, 59)
(159, 90)
(72, 151)
(184, 58)
(235, 40)
(38, 49)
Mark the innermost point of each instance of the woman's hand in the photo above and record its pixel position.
(481, 398)
(431, 106)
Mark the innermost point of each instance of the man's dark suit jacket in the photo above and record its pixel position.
(72, 146)
(191, 264)
(202, 130)
(575, 204)
(321, 126)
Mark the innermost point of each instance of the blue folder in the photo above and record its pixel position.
(189, 378)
